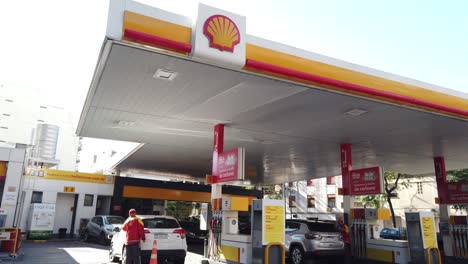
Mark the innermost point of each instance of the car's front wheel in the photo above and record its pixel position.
(112, 257)
(86, 236)
(124, 255)
(103, 238)
(296, 255)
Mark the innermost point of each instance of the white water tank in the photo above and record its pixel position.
(46, 141)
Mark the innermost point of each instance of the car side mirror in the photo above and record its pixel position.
(116, 229)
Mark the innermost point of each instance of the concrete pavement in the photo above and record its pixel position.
(71, 252)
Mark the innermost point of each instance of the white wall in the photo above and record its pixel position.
(50, 188)
(320, 190)
(84, 211)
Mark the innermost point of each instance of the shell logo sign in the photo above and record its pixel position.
(220, 37)
(222, 33)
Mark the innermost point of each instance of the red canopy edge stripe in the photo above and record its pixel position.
(157, 41)
(258, 65)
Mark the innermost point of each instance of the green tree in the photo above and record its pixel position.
(375, 201)
(180, 210)
(273, 191)
(393, 181)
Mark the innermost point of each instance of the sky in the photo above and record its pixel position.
(53, 45)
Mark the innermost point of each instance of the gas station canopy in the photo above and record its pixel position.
(159, 83)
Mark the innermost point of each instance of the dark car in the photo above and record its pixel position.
(393, 233)
(194, 234)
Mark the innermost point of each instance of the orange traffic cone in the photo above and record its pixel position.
(154, 253)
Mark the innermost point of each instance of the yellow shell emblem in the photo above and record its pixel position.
(222, 33)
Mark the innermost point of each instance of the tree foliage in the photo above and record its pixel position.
(179, 209)
(393, 181)
(273, 191)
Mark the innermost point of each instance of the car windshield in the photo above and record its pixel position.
(160, 223)
(322, 227)
(114, 220)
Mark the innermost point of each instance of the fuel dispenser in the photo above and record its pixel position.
(379, 249)
(226, 243)
(358, 232)
(268, 232)
(422, 238)
(458, 228)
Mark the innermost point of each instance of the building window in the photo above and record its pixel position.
(94, 159)
(310, 201)
(36, 197)
(420, 187)
(331, 201)
(292, 201)
(88, 200)
(331, 180)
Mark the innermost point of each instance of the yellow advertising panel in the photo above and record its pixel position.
(3, 169)
(273, 224)
(428, 231)
(70, 176)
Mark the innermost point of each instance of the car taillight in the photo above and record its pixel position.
(146, 231)
(313, 236)
(181, 232)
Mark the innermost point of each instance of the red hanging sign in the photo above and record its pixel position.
(366, 181)
(230, 166)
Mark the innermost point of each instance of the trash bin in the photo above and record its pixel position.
(62, 232)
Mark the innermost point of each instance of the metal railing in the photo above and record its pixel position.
(429, 252)
(275, 244)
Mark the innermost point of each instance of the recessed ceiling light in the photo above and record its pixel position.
(165, 74)
(356, 112)
(123, 123)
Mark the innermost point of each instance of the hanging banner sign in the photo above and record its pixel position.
(230, 166)
(449, 192)
(366, 181)
(457, 192)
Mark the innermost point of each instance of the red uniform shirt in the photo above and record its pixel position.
(134, 229)
(345, 233)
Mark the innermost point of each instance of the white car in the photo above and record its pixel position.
(170, 237)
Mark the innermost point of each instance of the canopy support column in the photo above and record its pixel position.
(346, 167)
(444, 208)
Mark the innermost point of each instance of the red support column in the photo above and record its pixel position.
(441, 179)
(346, 166)
(218, 146)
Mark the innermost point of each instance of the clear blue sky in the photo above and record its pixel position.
(53, 45)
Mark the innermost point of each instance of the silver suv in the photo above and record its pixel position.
(305, 239)
(101, 226)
